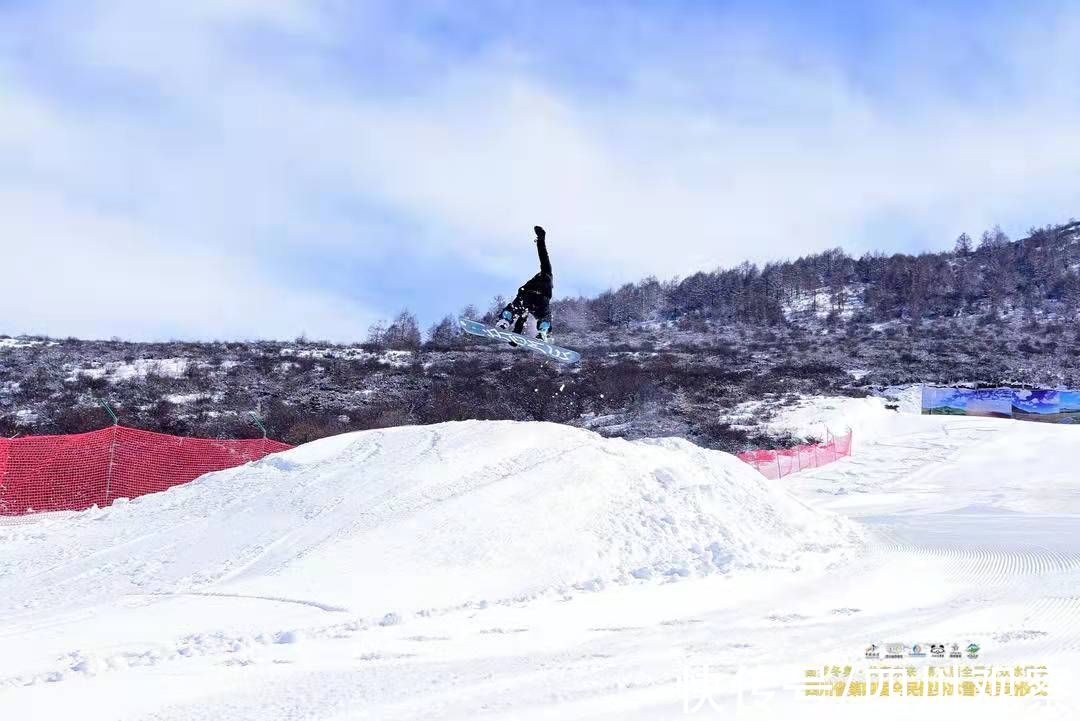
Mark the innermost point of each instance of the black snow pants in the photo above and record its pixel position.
(534, 298)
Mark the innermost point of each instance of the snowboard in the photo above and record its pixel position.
(551, 351)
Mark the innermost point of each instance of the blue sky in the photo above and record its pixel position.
(247, 168)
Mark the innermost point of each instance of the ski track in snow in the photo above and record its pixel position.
(957, 545)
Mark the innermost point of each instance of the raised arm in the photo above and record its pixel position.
(541, 250)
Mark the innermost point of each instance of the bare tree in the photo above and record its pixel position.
(496, 307)
(377, 334)
(403, 333)
(445, 333)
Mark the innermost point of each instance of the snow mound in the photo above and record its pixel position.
(410, 519)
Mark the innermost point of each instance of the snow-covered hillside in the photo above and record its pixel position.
(518, 570)
(410, 519)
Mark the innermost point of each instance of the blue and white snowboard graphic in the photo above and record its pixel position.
(551, 351)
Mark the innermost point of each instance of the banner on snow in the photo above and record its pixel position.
(1025, 404)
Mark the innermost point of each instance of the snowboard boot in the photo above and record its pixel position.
(505, 320)
(519, 326)
(543, 330)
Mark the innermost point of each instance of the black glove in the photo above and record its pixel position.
(539, 232)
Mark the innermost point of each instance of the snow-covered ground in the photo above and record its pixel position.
(819, 303)
(24, 342)
(398, 358)
(139, 368)
(116, 372)
(521, 571)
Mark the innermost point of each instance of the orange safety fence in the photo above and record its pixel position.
(783, 462)
(75, 472)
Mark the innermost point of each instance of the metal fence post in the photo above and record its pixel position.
(112, 456)
(258, 422)
(108, 410)
(112, 447)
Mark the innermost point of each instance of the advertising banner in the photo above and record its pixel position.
(1041, 405)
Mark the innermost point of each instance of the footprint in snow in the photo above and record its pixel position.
(421, 639)
(502, 630)
(1024, 635)
(845, 611)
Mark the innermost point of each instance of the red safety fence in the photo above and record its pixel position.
(780, 463)
(71, 473)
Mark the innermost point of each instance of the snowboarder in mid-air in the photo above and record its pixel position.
(533, 298)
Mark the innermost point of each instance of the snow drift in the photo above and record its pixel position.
(424, 518)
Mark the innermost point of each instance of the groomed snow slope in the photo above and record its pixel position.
(249, 596)
(423, 519)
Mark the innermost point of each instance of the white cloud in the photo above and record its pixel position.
(89, 273)
(230, 151)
